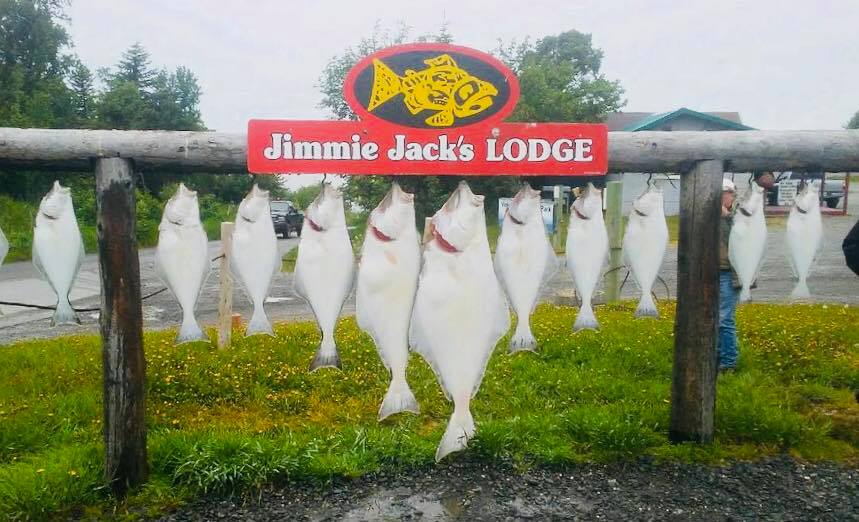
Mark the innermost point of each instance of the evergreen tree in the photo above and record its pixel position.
(83, 95)
(135, 68)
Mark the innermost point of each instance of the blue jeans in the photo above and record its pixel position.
(728, 351)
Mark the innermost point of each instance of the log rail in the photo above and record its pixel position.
(701, 158)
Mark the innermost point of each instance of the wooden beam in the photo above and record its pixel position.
(647, 151)
(614, 226)
(121, 321)
(693, 385)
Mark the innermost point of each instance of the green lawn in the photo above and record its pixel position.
(227, 422)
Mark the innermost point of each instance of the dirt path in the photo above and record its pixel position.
(775, 489)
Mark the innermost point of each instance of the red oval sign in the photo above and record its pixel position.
(431, 86)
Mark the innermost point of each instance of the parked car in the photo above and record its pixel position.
(833, 189)
(287, 219)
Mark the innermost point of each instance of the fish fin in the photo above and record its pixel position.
(459, 429)
(399, 398)
(522, 340)
(259, 323)
(441, 119)
(800, 291)
(646, 306)
(586, 320)
(745, 295)
(326, 357)
(190, 331)
(64, 314)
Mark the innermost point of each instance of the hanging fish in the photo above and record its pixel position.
(804, 237)
(460, 312)
(644, 243)
(58, 249)
(325, 268)
(387, 282)
(255, 257)
(748, 239)
(524, 260)
(182, 257)
(587, 248)
(4, 246)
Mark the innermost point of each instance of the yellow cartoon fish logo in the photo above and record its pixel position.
(443, 87)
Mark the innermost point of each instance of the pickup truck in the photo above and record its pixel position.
(286, 218)
(833, 189)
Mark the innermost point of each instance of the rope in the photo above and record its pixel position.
(48, 307)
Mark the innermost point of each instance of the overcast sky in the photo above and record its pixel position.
(783, 64)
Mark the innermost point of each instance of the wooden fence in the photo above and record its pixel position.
(700, 157)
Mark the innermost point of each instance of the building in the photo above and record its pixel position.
(682, 119)
(634, 184)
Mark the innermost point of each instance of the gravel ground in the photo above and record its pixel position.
(774, 489)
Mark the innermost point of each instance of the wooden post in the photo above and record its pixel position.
(693, 386)
(614, 225)
(557, 212)
(121, 326)
(225, 301)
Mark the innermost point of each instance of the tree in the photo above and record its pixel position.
(854, 121)
(134, 67)
(83, 94)
(560, 80)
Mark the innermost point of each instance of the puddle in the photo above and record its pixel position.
(398, 503)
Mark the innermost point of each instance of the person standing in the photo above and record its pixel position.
(728, 351)
(728, 283)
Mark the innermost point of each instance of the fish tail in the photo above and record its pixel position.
(326, 356)
(459, 429)
(745, 295)
(386, 85)
(190, 331)
(523, 339)
(259, 323)
(64, 314)
(399, 398)
(646, 306)
(586, 320)
(800, 291)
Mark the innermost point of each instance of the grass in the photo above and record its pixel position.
(232, 421)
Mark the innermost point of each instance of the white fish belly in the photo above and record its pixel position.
(521, 262)
(58, 250)
(182, 262)
(255, 259)
(746, 246)
(324, 271)
(387, 283)
(459, 315)
(803, 237)
(644, 245)
(587, 247)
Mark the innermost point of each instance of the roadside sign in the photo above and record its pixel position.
(547, 209)
(787, 189)
(428, 109)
